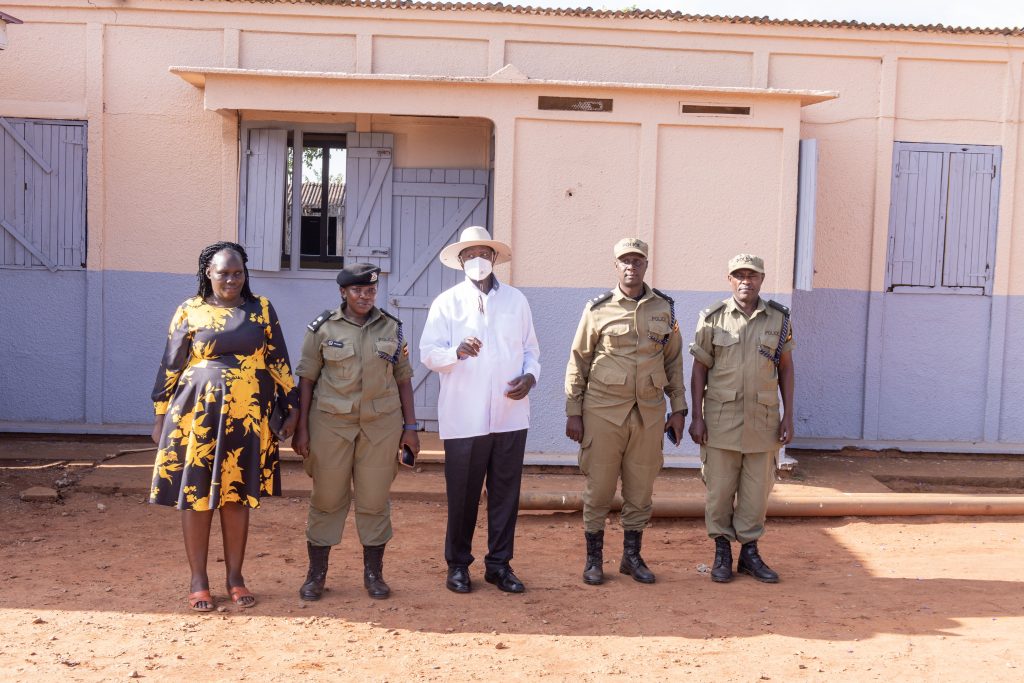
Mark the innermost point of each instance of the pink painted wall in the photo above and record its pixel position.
(164, 164)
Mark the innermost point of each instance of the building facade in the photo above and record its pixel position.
(874, 168)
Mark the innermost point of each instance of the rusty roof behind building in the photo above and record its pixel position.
(666, 15)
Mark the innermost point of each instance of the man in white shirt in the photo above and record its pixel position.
(479, 338)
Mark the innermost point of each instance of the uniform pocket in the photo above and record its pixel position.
(716, 402)
(339, 361)
(335, 406)
(655, 388)
(659, 328)
(607, 375)
(387, 347)
(618, 335)
(387, 405)
(335, 354)
(768, 410)
(727, 349)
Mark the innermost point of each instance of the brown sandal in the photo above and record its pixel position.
(198, 598)
(239, 595)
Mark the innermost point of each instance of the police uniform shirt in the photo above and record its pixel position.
(626, 352)
(741, 401)
(356, 370)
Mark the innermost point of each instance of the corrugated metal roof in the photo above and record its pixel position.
(311, 198)
(667, 15)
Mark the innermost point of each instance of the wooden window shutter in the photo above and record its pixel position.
(262, 197)
(971, 220)
(916, 218)
(368, 198)
(42, 199)
(807, 190)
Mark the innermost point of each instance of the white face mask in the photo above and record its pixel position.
(477, 268)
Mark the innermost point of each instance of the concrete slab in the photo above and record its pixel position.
(76, 447)
(39, 494)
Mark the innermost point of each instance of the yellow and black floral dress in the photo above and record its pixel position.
(221, 371)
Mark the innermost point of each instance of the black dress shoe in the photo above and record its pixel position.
(458, 579)
(505, 579)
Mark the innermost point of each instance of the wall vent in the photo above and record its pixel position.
(713, 109)
(573, 103)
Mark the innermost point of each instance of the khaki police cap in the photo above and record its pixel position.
(746, 261)
(630, 245)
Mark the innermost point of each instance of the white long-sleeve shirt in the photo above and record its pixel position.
(473, 400)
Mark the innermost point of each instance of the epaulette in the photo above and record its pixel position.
(663, 295)
(320, 320)
(778, 307)
(706, 313)
(601, 298)
(390, 315)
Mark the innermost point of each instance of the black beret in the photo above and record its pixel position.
(358, 274)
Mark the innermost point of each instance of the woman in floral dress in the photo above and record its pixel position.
(224, 367)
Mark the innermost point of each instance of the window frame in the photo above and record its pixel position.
(296, 130)
(61, 248)
(946, 149)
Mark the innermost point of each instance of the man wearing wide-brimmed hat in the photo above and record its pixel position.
(742, 363)
(479, 338)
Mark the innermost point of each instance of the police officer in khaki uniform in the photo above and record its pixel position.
(355, 412)
(626, 357)
(743, 361)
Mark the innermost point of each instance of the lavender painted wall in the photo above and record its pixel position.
(830, 327)
(1011, 423)
(934, 355)
(42, 341)
(934, 364)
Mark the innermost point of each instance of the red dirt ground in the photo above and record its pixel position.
(93, 589)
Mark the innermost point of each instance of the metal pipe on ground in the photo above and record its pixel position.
(838, 505)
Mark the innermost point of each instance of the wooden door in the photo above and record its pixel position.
(368, 205)
(430, 208)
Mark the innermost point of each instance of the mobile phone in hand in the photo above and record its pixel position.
(670, 433)
(406, 456)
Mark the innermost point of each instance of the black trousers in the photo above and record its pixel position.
(498, 459)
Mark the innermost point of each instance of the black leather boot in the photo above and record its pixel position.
(373, 572)
(632, 563)
(721, 572)
(751, 563)
(317, 574)
(593, 572)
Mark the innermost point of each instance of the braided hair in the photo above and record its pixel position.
(206, 257)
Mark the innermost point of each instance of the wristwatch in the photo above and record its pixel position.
(414, 427)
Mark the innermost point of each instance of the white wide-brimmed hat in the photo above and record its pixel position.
(474, 236)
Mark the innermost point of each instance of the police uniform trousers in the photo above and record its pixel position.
(497, 459)
(738, 485)
(631, 451)
(340, 466)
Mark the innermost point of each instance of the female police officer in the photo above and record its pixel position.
(355, 412)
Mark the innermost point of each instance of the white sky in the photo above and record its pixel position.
(978, 13)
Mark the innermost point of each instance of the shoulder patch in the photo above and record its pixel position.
(778, 307)
(319, 320)
(390, 315)
(663, 295)
(600, 299)
(714, 308)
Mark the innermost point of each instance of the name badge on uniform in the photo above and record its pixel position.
(335, 343)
